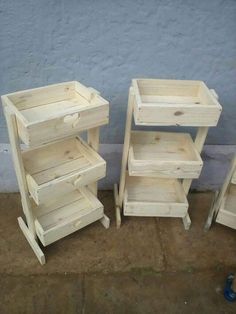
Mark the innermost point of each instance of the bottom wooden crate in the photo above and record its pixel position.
(227, 213)
(63, 216)
(154, 197)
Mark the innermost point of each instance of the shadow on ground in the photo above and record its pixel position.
(148, 266)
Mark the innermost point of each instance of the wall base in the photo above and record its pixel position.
(216, 163)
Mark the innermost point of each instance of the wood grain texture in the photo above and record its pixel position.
(73, 211)
(174, 102)
(146, 196)
(163, 155)
(56, 111)
(61, 167)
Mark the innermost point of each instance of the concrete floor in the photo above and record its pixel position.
(148, 266)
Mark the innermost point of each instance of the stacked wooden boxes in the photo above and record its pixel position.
(226, 211)
(58, 171)
(158, 167)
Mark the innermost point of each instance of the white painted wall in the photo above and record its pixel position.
(105, 44)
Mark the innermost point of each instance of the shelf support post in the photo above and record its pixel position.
(198, 142)
(119, 196)
(93, 141)
(29, 229)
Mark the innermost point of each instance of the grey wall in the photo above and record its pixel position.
(106, 43)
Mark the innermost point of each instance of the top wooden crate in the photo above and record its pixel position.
(56, 111)
(174, 102)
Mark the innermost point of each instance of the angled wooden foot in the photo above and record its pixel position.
(117, 207)
(186, 222)
(210, 217)
(33, 243)
(105, 221)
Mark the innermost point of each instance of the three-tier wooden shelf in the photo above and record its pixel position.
(58, 171)
(158, 167)
(223, 209)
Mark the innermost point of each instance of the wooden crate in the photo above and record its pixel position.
(159, 197)
(174, 102)
(227, 212)
(65, 215)
(56, 111)
(58, 168)
(163, 155)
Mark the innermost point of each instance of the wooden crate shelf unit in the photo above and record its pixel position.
(223, 209)
(58, 171)
(161, 165)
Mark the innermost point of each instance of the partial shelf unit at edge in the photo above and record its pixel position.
(227, 210)
(158, 167)
(58, 172)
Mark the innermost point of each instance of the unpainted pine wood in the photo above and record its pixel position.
(171, 102)
(224, 187)
(105, 221)
(67, 214)
(19, 168)
(117, 207)
(31, 240)
(163, 154)
(126, 146)
(69, 225)
(93, 141)
(186, 222)
(159, 190)
(227, 212)
(233, 180)
(56, 111)
(44, 131)
(211, 212)
(35, 97)
(70, 108)
(199, 142)
(61, 166)
(146, 196)
(159, 87)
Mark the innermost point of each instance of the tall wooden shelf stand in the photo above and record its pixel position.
(157, 168)
(58, 172)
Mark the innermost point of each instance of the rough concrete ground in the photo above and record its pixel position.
(148, 266)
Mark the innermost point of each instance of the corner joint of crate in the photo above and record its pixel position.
(214, 93)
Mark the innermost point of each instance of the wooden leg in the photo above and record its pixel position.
(33, 243)
(19, 168)
(117, 207)
(126, 146)
(210, 217)
(93, 141)
(186, 222)
(105, 221)
(199, 142)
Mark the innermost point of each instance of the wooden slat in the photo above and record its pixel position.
(66, 215)
(163, 154)
(171, 102)
(56, 169)
(154, 197)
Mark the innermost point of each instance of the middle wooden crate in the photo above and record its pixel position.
(164, 155)
(57, 168)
